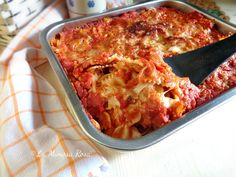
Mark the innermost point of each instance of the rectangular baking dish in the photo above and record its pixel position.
(75, 106)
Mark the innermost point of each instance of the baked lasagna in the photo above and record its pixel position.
(117, 67)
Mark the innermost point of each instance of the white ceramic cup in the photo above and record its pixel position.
(85, 7)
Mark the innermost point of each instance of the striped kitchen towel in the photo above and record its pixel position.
(38, 136)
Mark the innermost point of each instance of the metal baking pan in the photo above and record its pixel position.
(74, 103)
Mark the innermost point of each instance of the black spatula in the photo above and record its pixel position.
(199, 63)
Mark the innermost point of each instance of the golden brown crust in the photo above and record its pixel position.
(116, 66)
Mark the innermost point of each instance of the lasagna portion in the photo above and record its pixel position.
(116, 66)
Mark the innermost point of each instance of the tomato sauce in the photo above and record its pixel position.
(116, 66)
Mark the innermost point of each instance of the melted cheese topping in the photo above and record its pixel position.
(116, 66)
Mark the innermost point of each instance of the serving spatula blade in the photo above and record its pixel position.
(200, 63)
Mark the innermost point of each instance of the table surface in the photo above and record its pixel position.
(204, 148)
